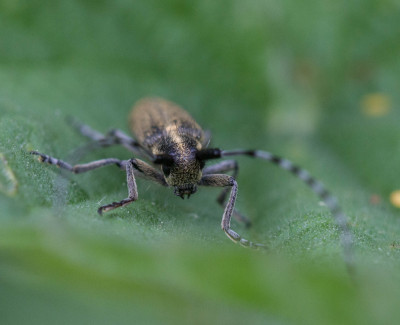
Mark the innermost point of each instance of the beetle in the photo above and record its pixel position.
(177, 150)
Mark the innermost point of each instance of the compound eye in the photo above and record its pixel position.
(166, 170)
(202, 164)
(163, 159)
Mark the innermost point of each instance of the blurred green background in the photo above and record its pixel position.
(314, 81)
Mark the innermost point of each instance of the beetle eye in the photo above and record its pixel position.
(202, 164)
(163, 159)
(166, 170)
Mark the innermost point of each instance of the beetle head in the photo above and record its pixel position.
(181, 172)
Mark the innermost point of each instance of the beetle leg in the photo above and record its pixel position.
(145, 170)
(113, 137)
(222, 167)
(132, 190)
(131, 166)
(221, 180)
(316, 186)
(85, 130)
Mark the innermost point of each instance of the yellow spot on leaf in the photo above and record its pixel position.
(8, 181)
(395, 198)
(375, 104)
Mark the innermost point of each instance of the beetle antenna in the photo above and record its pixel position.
(207, 154)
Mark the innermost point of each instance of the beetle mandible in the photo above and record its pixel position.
(171, 139)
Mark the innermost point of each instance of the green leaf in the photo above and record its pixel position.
(314, 82)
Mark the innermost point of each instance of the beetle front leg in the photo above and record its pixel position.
(220, 180)
(132, 191)
(143, 169)
(222, 167)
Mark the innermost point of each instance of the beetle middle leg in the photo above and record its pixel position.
(113, 137)
(221, 180)
(222, 167)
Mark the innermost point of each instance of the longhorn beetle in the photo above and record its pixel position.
(171, 139)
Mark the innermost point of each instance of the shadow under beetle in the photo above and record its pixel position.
(170, 138)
